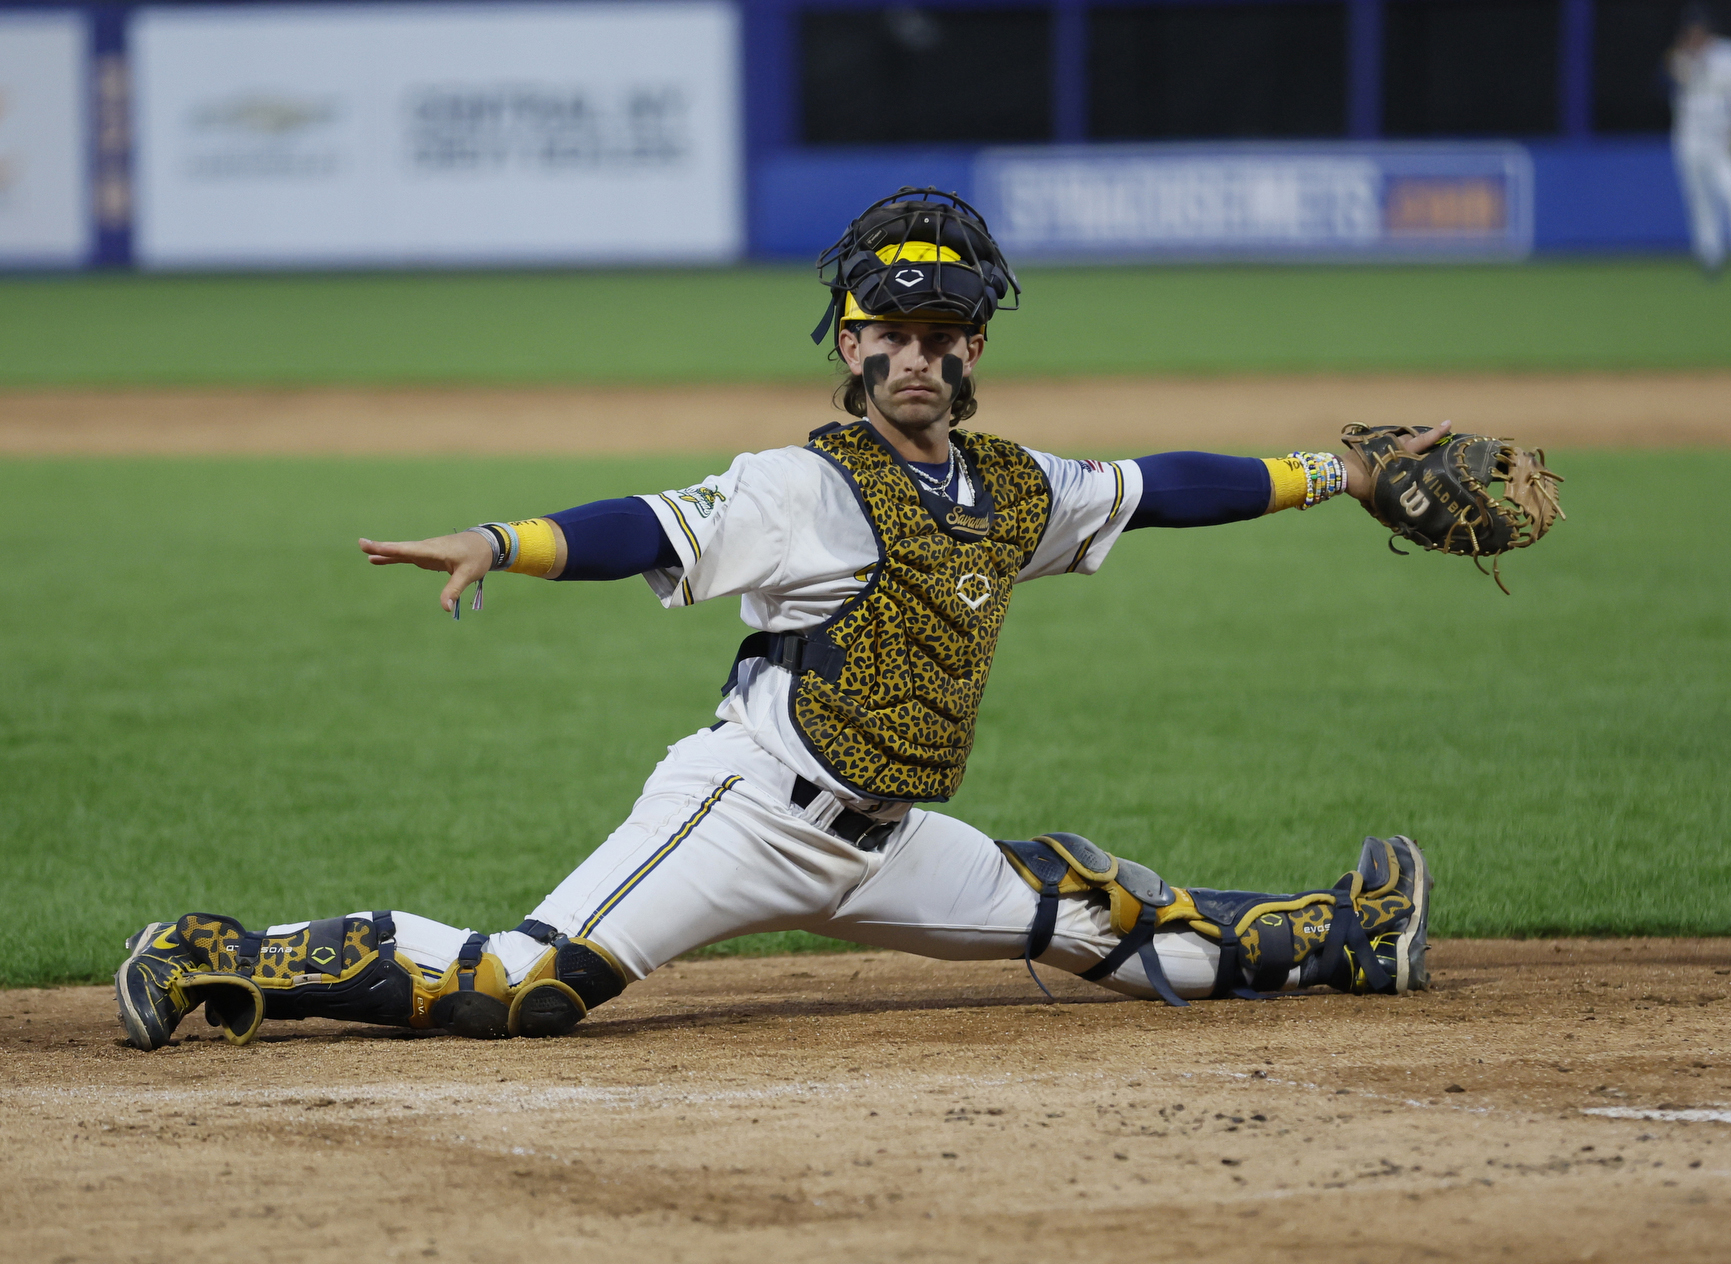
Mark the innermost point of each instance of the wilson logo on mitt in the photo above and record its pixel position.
(1441, 499)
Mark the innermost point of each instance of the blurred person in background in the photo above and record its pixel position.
(1700, 69)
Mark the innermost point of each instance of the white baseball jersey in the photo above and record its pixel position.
(1701, 145)
(1701, 103)
(784, 531)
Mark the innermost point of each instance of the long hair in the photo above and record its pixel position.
(850, 396)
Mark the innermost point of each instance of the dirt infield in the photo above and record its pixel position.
(1110, 415)
(1548, 1101)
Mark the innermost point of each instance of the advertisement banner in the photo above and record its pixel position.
(1342, 201)
(44, 180)
(317, 135)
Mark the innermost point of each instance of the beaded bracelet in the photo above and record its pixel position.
(1324, 476)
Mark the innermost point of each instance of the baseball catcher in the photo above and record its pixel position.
(874, 566)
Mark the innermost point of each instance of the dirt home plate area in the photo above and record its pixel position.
(1548, 1100)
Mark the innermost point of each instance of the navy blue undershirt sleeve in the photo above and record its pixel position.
(1200, 489)
(613, 539)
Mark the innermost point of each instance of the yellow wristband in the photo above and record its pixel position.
(1290, 484)
(537, 547)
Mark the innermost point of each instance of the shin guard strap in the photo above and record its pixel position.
(540, 932)
(468, 957)
(1139, 942)
(1345, 932)
(1040, 933)
(1229, 974)
(324, 948)
(1274, 957)
(1048, 868)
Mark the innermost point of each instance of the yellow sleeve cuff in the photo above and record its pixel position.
(1290, 484)
(537, 547)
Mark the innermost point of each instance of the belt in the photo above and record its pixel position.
(854, 827)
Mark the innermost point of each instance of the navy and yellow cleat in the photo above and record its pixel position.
(164, 978)
(1367, 933)
(147, 985)
(1412, 940)
(1393, 887)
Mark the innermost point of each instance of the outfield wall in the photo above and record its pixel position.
(666, 131)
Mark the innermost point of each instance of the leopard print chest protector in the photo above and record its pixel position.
(891, 711)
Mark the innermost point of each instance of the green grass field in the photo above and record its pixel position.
(209, 701)
(752, 324)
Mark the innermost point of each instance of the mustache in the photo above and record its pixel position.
(928, 381)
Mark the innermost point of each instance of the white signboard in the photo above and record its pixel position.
(44, 161)
(396, 135)
(1318, 200)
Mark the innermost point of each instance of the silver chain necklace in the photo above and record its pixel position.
(940, 486)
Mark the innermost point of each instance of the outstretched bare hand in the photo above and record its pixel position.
(1358, 482)
(465, 556)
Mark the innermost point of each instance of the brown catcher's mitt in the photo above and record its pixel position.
(1441, 498)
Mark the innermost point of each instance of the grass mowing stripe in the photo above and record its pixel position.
(210, 702)
(751, 324)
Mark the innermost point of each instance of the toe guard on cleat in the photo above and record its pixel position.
(1412, 973)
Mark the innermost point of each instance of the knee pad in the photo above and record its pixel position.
(1139, 900)
(1068, 864)
(475, 998)
(572, 978)
(472, 998)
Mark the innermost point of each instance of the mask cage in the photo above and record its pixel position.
(972, 286)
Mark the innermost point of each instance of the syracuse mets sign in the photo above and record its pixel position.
(1259, 201)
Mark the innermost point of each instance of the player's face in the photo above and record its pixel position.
(911, 370)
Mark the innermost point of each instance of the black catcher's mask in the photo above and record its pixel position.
(969, 288)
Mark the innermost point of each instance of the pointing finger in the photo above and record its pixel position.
(1429, 439)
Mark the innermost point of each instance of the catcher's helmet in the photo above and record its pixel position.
(916, 254)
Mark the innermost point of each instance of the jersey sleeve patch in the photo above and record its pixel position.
(1091, 502)
(730, 530)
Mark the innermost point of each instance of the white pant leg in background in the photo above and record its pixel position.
(1704, 168)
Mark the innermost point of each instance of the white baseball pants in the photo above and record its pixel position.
(714, 849)
(1704, 167)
